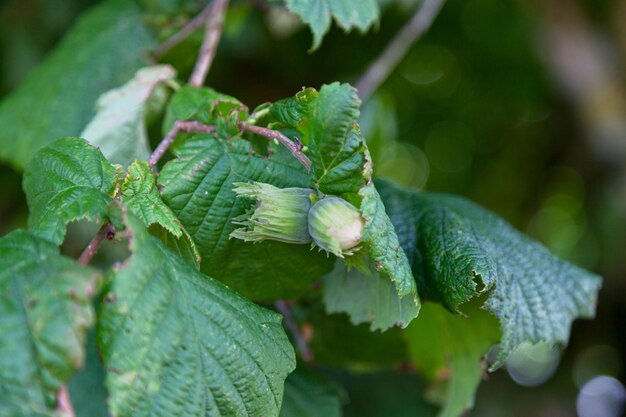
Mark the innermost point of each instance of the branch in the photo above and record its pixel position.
(294, 147)
(393, 53)
(212, 35)
(107, 231)
(191, 26)
(178, 127)
(301, 342)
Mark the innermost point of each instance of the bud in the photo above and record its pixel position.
(336, 226)
(280, 213)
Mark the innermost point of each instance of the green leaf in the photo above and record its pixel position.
(338, 152)
(367, 297)
(119, 126)
(67, 180)
(100, 52)
(327, 122)
(310, 395)
(388, 257)
(45, 310)
(348, 14)
(140, 194)
(449, 349)
(198, 186)
(206, 106)
(293, 111)
(459, 250)
(177, 341)
(342, 166)
(184, 246)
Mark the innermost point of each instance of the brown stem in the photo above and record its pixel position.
(302, 343)
(212, 36)
(379, 70)
(294, 147)
(178, 127)
(107, 231)
(191, 26)
(64, 404)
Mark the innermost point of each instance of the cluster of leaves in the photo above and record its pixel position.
(177, 324)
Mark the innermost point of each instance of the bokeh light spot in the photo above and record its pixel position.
(603, 396)
(533, 364)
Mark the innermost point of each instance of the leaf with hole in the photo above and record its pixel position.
(459, 250)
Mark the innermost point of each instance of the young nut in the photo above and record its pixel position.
(279, 214)
(336, 226)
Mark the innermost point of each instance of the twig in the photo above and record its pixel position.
(294, 147)
(178, 127)
(212, 36)
(303, 345)
(64, 405)
(107, 231)
(379, 70)
(190, 27)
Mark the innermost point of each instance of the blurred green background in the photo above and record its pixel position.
(517, 105)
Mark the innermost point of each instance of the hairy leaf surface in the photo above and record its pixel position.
(178, 342)
(119, 126)
(448, 349)
(327, 124)
(198, 186)
(101, 51)
(45, 310)
(458, 250)
(66, 181)
(140, 194)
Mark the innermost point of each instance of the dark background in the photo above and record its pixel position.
(517, 105)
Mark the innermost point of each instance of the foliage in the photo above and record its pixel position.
(168, 332)
(46, 310)
(119, 126)
(67, 181)
(317, 14)
(75, 74)
(459, 251)
(454, 353)
(178, 328)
